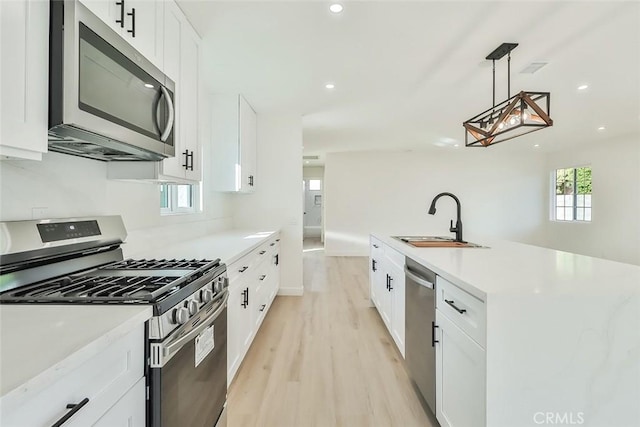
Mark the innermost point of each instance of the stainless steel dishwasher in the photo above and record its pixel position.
(420, 352)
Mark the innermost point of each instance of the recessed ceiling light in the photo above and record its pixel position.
(583, 87)
(457, 145)
(336, 8)
(602, 128)
(306, 161)
(149, 85)
(330, 86)
(536, 145)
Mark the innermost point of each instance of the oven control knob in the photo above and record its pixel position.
(180, 315)
(192, 307)
(206, 295)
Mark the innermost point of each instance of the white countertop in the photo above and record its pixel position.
(41, 343)
(229, 246)
(517, 269)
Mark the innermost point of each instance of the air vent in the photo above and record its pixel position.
(310, 157)
(533, 67)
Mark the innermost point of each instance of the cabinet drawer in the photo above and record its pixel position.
(376, 248)
(103, 380)
(463, 309)
(394, 257)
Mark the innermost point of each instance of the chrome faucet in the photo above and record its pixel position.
(458, 228)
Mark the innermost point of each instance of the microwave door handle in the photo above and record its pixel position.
(169, 101)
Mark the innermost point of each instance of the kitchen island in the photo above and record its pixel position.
(540, 336)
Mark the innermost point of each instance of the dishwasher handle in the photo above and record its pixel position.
(419, 280)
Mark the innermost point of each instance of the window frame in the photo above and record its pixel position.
(574, 207)
(172, 208)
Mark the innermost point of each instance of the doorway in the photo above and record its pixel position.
(313, 212)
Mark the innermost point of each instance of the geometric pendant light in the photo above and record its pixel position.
(518, 115)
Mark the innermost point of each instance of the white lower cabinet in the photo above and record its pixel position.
(460, 377)
(111, 385)
(129, 411)
(387, 287)
(254, 280)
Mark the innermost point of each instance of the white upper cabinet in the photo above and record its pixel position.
(139, 22)
(182, 64)
(234, 135)
(181, 53)
(24, 42)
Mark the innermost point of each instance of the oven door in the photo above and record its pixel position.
(190, 388)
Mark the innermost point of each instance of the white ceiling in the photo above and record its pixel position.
(407, 74)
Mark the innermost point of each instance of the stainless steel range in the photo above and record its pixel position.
(80, 261)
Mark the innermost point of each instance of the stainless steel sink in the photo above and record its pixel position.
(435, 242)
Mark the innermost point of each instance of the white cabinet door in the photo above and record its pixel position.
(147, 17)
(234, 143)
(385, 297)
(111, 12)
(460, 377)
(248, 146)
(182, 62)
(398, 305)
(173, 24)
(235, 313)
(189, 100)
(24, 40)
(129, 411)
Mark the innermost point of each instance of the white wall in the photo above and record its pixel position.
(614, 231)
(69, 186)
(502, 195)
(277, 202)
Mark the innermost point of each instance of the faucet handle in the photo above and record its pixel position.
(452, 228)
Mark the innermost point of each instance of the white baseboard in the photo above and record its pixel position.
(291, 291)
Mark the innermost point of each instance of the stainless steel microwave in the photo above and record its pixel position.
(106, 101)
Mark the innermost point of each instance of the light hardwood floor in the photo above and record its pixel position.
(324, 359)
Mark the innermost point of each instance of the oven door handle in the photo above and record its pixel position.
(170, 349)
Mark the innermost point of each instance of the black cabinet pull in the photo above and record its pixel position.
(387, 282)
(243, 269)
(75, 407)
(277, 240)
(433, 334)
(132, 14)
(262, 277)
(375, 246)
(373, 265)
(263, 252)
(390, 287)
(459, 310)
(245, 302)
(262, 307)
(121, 20)
(272, 244)
(188, 160)
(277, 261)
(251, 180)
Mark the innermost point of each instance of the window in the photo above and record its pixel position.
(572, 198)
(315, 184)
(178, 198)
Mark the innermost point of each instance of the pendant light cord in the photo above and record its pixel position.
(494, 82)
(508, 76)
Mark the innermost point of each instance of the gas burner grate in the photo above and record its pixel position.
(155, 264)
(122, 288)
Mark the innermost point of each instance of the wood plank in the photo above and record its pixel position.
(325, 359)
